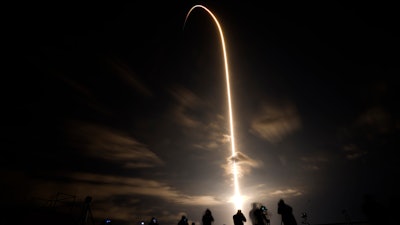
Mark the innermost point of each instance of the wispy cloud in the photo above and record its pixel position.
(188, 103)
(136, 186)
(286, 193)
(113, 146)
(352, 151)
(205, 126)
(314, 162)
(128, 76)
(105, 188)
(275, 121)
(184, 119)
(244, 164)
(186, 98)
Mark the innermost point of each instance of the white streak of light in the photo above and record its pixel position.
(237, 198)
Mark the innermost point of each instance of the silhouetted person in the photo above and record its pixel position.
(259, 217)
(207, 218)
(266, 214)
(183, 221)
(286, 212)
(251, 213)
(239, 218)
(153, 221)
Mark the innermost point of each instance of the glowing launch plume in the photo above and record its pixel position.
(237, 199)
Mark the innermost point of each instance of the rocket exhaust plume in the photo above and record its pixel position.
(237, 198)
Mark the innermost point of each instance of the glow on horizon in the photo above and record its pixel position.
(237, 199)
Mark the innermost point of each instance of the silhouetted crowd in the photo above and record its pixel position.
(259, 216)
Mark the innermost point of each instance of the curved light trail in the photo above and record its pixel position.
(237, 199)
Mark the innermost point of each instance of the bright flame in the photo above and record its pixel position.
(237, 197)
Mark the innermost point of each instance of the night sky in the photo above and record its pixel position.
(120, 103)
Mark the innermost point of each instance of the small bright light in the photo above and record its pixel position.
(238, 201)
